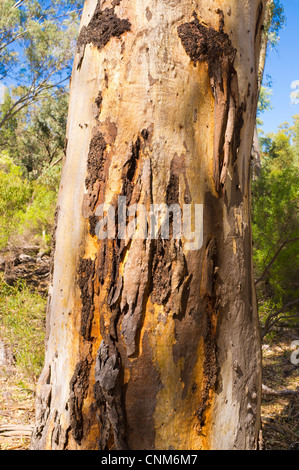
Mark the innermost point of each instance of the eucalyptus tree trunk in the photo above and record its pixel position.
(153, 342)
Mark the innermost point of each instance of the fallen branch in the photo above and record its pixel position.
(15, 430)
(267, 391)
(16, 434)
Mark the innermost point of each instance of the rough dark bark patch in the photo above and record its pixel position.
(108, 374)
(173, 188)
(93, 221)
(107, 392)
(205, 44)
(78, 392)
(102, 27)
(129, 171)
(96, 174)
(86, 273)
(161, 271)
(96, 160)
(177, 168)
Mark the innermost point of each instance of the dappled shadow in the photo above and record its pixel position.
(280, 414)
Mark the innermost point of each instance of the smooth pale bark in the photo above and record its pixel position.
(151, 345)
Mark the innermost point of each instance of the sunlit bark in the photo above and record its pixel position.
(152, 344)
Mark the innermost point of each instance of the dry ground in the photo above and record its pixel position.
(16, 408)
(280, 415)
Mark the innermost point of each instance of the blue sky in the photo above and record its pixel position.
(283, 67)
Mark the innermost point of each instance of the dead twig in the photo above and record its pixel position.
(278, 393)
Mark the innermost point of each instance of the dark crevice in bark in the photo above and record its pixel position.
(208, 293)
(107, 392)
(96, 176)
(132, 310)
(129, 171)
(161, 271)
(86, 276)
(78, 391)
(93, 222)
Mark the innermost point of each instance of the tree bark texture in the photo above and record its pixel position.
(151, 345)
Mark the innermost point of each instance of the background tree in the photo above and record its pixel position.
(276, 227)
(36, 47)
(274, 21)
(37, 43)
(35, 139)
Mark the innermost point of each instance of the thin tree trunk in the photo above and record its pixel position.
(152, 344)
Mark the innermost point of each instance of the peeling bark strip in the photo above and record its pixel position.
(136, 180)
(78, 392)
(86, 273)
(128, 297)
(102, 27)
(205, 44)
(43, 404)
(107, 392)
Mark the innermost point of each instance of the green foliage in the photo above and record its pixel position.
(275, 21)
(38, 219)
(22, 317)
(37, 44)
(26, 208)
(15, 194)
(264, 103)
(276, 220)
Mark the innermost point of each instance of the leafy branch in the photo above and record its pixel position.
(275, 317)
